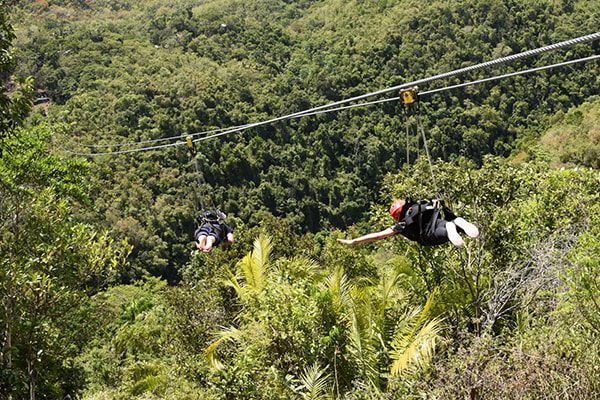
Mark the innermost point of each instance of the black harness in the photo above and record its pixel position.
(211, 217)
(421, 219)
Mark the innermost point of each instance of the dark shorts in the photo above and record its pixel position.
(208, 230)
(439, 235)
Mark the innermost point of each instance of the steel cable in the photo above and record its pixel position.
(326, 108)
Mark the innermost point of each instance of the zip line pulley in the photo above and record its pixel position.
(410, 96)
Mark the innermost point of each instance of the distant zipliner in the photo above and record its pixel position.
(211, 229)
(421, 221)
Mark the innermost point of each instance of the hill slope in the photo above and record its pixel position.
(129, 71)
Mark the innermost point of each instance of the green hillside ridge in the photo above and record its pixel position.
(574, 137)
(102, 297)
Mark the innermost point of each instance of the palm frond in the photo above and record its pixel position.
(298, 266)
(233, 282)
(246, 265)
(363, 340)
(389, 292)
(340, 287)
(415, 338)
(381, 300)
(226, 335)
(254, 266)
(428, 305)
(314, 383)
(414, 351)
(260, 257)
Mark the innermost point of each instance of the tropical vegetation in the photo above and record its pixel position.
(103, 297)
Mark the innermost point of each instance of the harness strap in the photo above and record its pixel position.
(432, 222)
(199, 182)
(420, 222)
(422, 129)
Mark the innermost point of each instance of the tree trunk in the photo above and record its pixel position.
(31, 376)
(6, 345)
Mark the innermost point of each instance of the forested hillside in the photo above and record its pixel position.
(129, 71)
(102, 298)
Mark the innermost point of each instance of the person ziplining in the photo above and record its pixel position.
(418, 221)
(211, 229)
(421, 222)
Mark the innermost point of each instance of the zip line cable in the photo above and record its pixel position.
(129, 151)
(339, 108)
(307, 113)
(494, 78)
(159, 139)
(444, 75)
(326, 107)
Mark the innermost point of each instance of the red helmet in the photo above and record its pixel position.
(396, 209)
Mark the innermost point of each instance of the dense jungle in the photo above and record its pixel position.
(105, 296)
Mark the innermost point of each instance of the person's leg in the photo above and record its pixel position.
(201, 242)
(453, 235)
(210, 241)
(470, 229)
(438, 235)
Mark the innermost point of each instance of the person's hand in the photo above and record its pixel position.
(349, 242)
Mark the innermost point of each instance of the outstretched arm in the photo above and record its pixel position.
(371, 237)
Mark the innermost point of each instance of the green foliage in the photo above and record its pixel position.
(49, 263)
(573, 137)
(254, 268)
(130, 71)
(305, 316)
(301, 328)
(15, 97)
(142, 346)
(301, 315)
(583, 277)
(541, 363)
(414, 343)
(314, 383)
